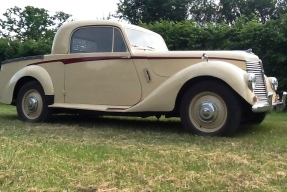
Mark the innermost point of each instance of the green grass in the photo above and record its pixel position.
(134, 154)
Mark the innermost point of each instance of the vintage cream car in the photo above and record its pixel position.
(121, 69)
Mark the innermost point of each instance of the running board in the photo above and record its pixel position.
(91, 107)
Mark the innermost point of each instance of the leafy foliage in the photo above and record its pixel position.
(230, 10)
(148, 11)
(31, 23)
(201, 11)
(29, 31)
(9, 49)
(15, 48)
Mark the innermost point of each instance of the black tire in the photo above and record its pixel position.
(210, 108)
(257, 118)
(32, 104)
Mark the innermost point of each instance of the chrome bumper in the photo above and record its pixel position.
(267, 107)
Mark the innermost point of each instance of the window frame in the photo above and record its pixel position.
(100, 26)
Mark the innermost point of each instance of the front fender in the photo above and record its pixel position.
(164, 97)
(37, 72)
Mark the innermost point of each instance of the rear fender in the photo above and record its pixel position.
(36, 72)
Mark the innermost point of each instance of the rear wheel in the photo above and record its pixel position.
(31, 104)
(210, 108)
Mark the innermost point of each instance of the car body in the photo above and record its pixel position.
(121, 69)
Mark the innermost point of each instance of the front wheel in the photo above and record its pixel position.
(210, 109)
(256, 118)
(31, 103)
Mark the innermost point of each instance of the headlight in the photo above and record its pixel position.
(274, 83)
(251, 81)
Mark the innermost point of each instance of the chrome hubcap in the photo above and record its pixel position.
(208, 112)
(32, 104)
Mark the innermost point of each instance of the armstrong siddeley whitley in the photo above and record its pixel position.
(121, 69)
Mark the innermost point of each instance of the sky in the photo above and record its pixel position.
(82, 9)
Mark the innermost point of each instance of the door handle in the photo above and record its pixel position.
(147, 75)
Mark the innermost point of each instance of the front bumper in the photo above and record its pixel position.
(267, 107)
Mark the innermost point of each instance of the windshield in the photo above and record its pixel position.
(146, 41)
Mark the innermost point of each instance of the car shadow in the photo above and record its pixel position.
(125, 123)
(172, 125)
(249, 129)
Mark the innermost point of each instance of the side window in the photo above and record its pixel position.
(92, 39)
(119, 43)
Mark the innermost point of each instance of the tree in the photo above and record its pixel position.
(28, 31)
(265, 10)
(31, 23)
(203, 11)
(281, 7)
(149, 11)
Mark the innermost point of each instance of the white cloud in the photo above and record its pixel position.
(82, 9)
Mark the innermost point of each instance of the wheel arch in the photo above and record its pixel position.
(202, 79)
(23, 81)
(32, 73)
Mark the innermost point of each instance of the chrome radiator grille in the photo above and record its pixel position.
(257, 69)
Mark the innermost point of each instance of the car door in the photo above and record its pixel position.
(101, 71)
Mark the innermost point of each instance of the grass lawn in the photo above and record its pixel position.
(134, 154)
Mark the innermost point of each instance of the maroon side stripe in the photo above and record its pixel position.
(77, 60)
(84, 59)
